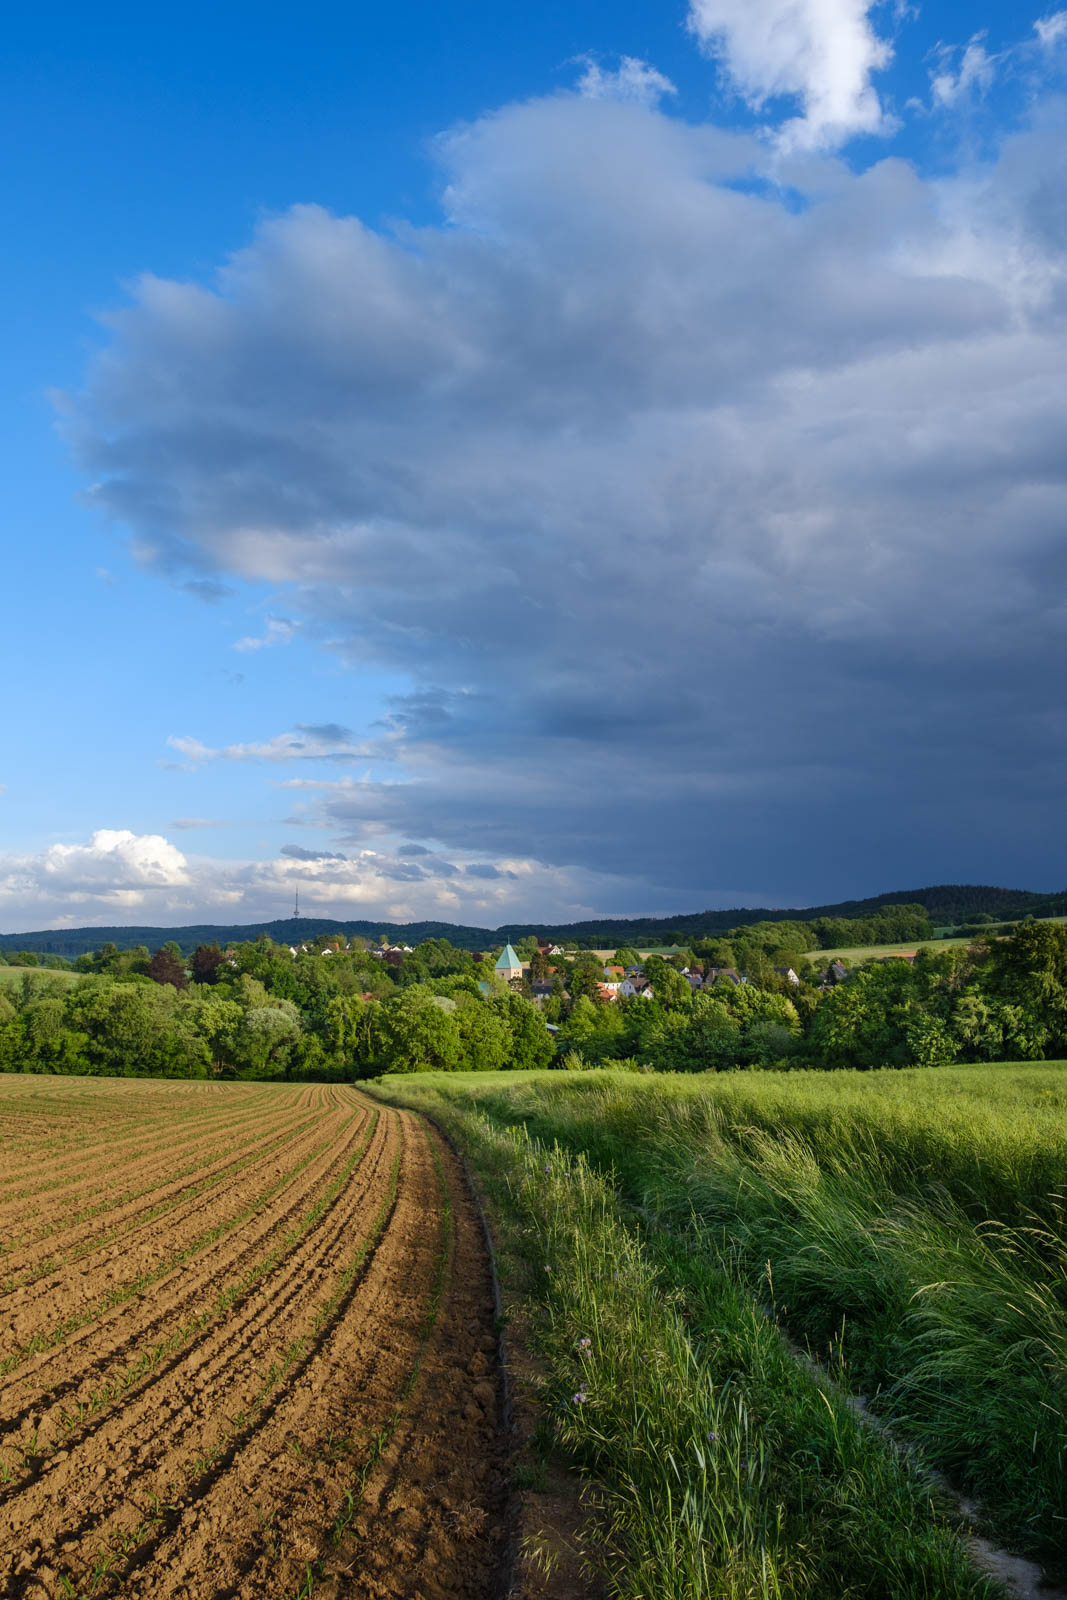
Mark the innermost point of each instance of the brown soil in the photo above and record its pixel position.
(307, 1403)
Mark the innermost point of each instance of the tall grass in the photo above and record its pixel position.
(909, 1228)
(725, 1469)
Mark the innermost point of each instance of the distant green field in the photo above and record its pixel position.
(16, 974)
(873, 952)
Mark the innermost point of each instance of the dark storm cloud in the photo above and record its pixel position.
(326, 732)
(722, 535)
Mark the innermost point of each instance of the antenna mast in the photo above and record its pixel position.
(296, 906)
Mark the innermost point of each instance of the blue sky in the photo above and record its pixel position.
(494, 463)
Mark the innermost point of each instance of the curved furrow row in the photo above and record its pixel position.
(146, 1350)
(154, 1191)
(186, 1253)
(169, 1433)
(82, 1126)
(52, 1190)
(437, 1493)
(43, 1313)
(305, 1404)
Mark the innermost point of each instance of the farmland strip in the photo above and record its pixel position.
(78, 1241)
(80, 1384)
(224, 1450)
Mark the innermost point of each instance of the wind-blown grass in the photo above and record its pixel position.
(724, 1467)
(908, 1227)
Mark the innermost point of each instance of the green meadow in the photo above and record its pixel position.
(786, 1317)
(852, 955)
(57, 978)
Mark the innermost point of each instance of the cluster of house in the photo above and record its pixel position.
(617, 982)
(623, 983)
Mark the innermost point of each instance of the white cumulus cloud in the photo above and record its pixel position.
(112, 877)
(119, 877)
(823, 52)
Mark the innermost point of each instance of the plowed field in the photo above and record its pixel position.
(246, 1348)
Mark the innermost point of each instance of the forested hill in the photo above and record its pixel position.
(946, 903)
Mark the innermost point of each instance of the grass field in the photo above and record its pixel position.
(907, 1229)
(852, 955)
(12, 975)
(248, 1347)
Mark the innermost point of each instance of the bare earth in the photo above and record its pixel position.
(246, 1348)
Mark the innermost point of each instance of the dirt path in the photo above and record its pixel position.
(307, 1405)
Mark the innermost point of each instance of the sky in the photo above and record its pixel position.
(497, 464)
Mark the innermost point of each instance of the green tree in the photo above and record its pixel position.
(540, 967)
(485, 1035)
(417, 1034)
(671, 990)
(582, 1022)
(266, 1039)
(532, 1046)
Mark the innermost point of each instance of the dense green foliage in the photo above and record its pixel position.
(995, 1000)
(260, 1011)
(908, 1227)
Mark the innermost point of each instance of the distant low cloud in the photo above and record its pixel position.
(296, 852)
(306, 742)
(183, 824)
(107, 879)
(120, 877)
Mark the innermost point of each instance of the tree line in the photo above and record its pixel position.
(257, 1010)
(993, 1000)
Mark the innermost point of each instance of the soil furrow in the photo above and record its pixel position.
(98, 1144)
(150, 1201)
(153, 1446)
(180, 1295)
(126, 1267)
(39, 1203)
(331, 1426)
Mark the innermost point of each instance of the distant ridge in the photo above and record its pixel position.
(946, 903)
